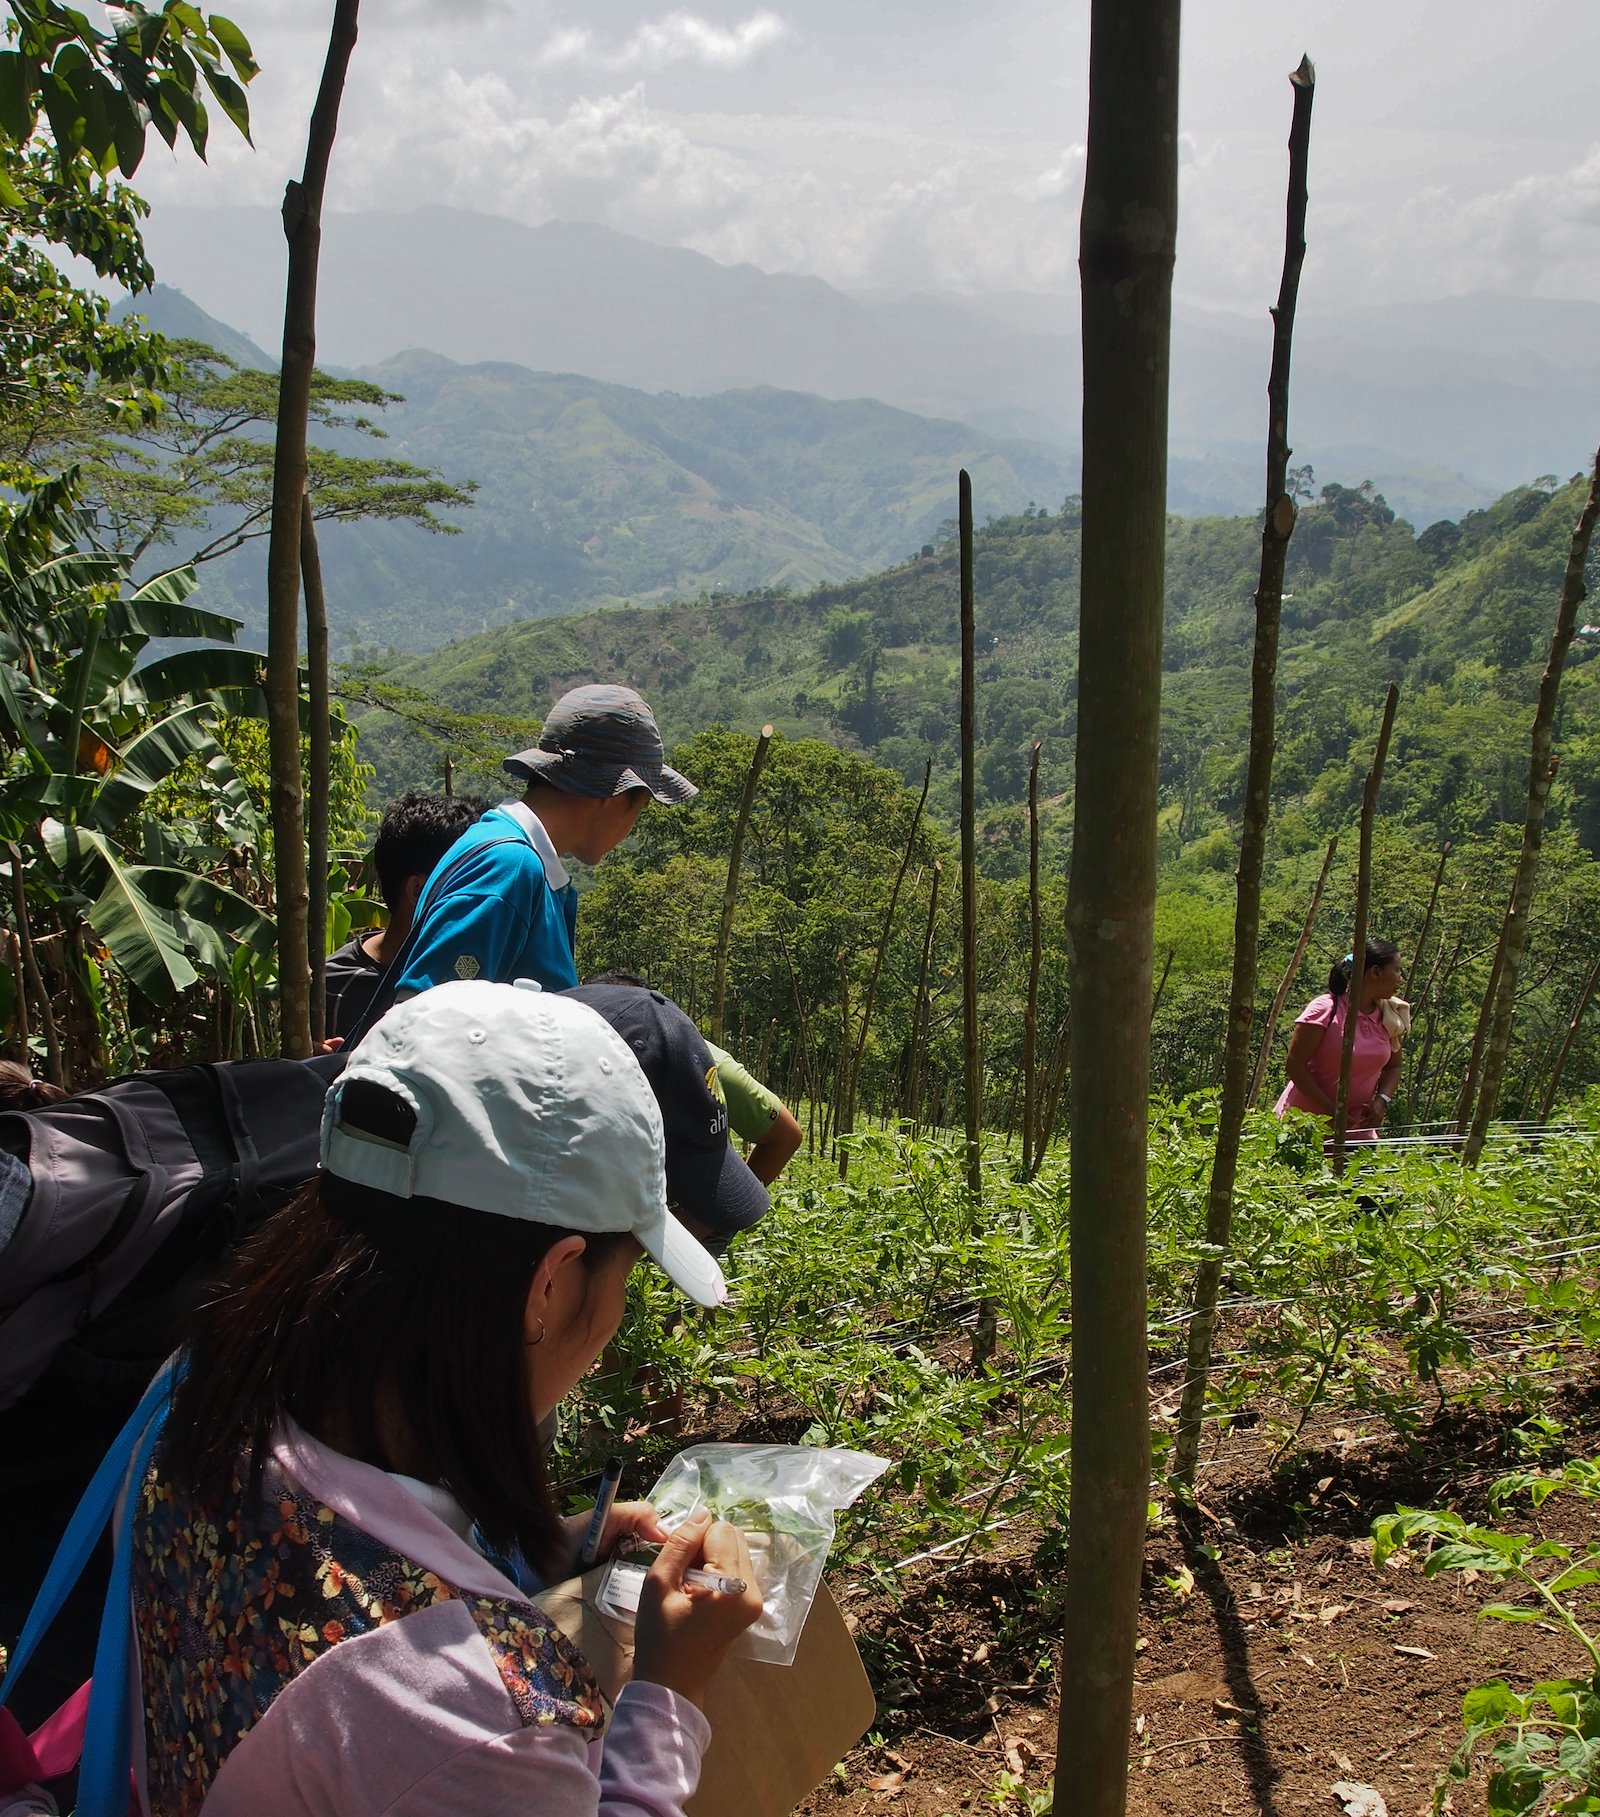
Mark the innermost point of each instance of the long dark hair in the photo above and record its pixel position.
(1379, 954)
(364, 1317)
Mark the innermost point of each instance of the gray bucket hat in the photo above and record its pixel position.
(602, 741)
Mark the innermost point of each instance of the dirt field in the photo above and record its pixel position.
(1265, 1676)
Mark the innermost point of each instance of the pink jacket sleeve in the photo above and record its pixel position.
(412, 1720)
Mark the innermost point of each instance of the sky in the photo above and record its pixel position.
(919, 144)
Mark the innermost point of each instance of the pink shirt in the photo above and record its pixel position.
(1372, 1054)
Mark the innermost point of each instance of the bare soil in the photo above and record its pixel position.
(1283, 1664)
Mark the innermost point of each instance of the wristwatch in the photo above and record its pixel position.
(1383, 1098)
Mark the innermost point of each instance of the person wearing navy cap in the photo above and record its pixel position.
(710, 1188)
(500, 904)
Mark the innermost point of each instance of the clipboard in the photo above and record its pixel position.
(776, 1731)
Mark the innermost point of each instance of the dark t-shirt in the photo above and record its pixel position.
(350, 976)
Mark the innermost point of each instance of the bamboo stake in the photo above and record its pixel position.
(984, 1331)
(969, 851)
(1276, 528)
(1566, 1046)
(1466, 1097)
(730, 893)
(1419, 1011)
(320, 779)
(1541, 770)
(1358, 945)
(302, 227)
(1433, 897)
(1058, 1080)
(1286, 983)
(869, 997)
(1161, 988)
(923, 1008)
(1126, 248)
(1030, 1014)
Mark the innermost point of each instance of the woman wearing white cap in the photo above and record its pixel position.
(321, 1624)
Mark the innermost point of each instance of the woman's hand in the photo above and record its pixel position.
(627, 1520)
(684, 1633)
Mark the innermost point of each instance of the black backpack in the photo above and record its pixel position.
(133, 1193)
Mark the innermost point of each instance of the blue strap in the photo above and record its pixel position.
(107, 1736)
(84, 1529)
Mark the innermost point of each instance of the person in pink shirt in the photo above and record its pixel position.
(332, 1545)
(1318, 1038)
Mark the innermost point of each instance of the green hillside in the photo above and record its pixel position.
(1458, 616)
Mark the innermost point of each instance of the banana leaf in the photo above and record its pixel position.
(190, 675)
(149, 759)
(149, 943)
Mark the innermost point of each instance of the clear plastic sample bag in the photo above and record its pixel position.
(786, 1499)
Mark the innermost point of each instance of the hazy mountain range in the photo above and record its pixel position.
(597, 494)
(1443, 405)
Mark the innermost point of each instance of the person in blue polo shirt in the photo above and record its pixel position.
(500, 904)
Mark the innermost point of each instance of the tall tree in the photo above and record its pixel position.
(1541, 768)
(1126, 247)
(1276, 528)
(302, 226)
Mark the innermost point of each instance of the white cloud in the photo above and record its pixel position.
(676, 37)
(854, 164)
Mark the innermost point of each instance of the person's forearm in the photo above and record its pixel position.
(776, 1149)
(1301, 1079)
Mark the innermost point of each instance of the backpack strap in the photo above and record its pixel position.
(383, 992)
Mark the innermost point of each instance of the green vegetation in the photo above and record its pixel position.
(1403, 1289)
(1543, 1743)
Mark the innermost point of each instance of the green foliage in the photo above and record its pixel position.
(1542, 1744)
(853, 1305)
(101, 91)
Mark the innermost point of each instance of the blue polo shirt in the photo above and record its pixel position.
(508, 910)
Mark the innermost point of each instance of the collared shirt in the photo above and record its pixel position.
(507, 908)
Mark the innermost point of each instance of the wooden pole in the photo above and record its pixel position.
(730, 892)
(1467, 1095)
(984, 1331)
(969, 852)
(302, 227)
(320, 780)
(1127, 241)
(1427, 919)
(1579, 1007)
(1058, 1080)
(1541, 770)
(1161, 986)
(1358, 945)
(1030, 1014)
(1277, 527)
(912, 1107)
(1286, 982)
(869, 996)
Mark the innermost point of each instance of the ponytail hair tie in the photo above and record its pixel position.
(1349, 959)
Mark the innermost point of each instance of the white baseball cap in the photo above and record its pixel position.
(528, 1105)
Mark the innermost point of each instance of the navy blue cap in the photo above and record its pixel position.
(707, 1179)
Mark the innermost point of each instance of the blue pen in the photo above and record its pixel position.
(610, 1478)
